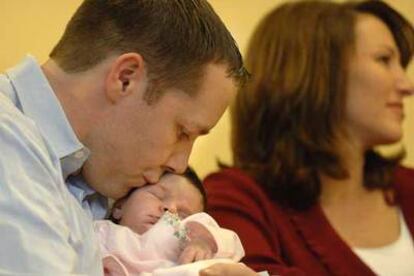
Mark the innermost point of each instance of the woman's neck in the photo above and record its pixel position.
(351, 188)
(360, 216)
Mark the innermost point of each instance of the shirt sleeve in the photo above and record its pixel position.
(33, 230)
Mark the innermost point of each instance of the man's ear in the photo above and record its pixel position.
(126, 76)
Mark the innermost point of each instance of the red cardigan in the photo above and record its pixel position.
(287, 242)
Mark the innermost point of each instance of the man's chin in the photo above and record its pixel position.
(119, 195)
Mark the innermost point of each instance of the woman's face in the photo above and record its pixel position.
(376, 85)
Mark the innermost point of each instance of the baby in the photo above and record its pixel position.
(160, 229)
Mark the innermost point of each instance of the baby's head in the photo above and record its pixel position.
(142, 208)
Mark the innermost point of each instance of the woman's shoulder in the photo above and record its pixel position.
(234, 188)
(232, 180)
(404, 171)
(404, 177)
(228, 176)
(404, 187)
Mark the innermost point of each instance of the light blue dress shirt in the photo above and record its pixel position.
(45, 223)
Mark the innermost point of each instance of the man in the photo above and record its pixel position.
(125, 93)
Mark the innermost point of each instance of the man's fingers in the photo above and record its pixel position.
(238, 269)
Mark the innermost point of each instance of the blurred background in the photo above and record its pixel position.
(34, 26)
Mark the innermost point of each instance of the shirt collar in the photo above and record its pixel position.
(93, 203)
(37, 100)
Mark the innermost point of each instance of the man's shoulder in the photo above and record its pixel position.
(14, 123)
(20, 135)
(6, 105)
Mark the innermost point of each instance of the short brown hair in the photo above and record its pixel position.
(175, 37)
(287, 119)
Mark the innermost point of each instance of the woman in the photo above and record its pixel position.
(308, 194)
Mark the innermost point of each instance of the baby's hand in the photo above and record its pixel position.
(200, 246)
(195, 250)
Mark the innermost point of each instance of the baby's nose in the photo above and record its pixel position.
(170, 207)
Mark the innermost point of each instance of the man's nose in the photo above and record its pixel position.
(153, 176)
(178, 160)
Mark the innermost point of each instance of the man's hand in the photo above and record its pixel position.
(238, 269)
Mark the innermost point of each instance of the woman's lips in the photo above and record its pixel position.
(397, 108)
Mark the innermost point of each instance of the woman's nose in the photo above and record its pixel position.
(405, 85)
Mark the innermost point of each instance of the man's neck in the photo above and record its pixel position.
(77, 92)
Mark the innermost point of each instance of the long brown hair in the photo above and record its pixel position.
(286, 120)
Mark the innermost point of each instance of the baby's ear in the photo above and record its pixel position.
(117, 208)
(117, 212)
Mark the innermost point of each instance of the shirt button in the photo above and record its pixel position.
(79, 154)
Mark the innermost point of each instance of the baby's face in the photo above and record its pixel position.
(146, 205)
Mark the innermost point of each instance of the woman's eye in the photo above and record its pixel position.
(185, 136)
(385, 59)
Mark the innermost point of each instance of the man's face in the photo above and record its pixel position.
(137, 142)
